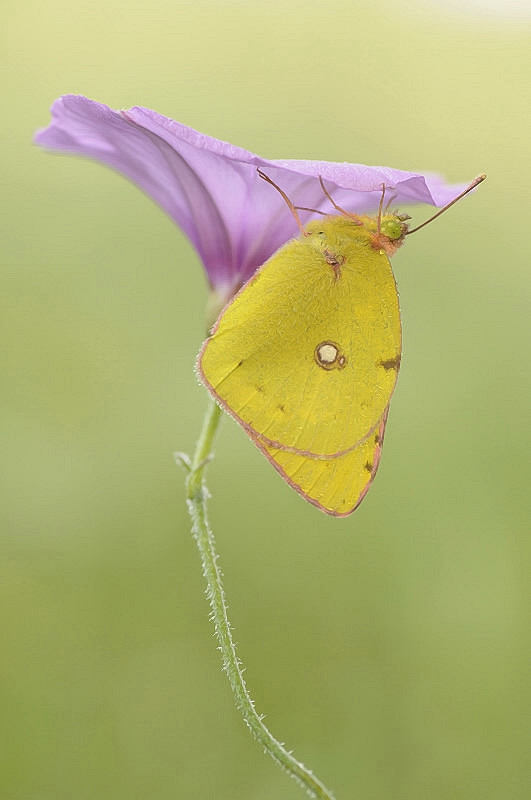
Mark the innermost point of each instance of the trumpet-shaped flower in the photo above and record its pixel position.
(212, 190)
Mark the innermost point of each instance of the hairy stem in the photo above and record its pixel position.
(197, 496)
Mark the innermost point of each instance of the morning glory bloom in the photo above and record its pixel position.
(212, 190)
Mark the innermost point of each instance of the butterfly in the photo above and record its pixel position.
(306, 355)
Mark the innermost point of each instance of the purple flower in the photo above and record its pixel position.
(212, 190)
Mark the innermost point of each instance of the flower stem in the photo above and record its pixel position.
(197, 495)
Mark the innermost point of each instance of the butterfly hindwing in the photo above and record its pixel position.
(335, 485)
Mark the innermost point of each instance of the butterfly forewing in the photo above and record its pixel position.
(306, 355)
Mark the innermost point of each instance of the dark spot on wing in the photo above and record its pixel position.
(329, 355)
(391, 363)
(368, 466)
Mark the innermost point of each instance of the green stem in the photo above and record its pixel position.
(197, 495)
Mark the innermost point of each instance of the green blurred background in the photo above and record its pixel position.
(388, 649)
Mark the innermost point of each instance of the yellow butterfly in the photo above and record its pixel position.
(306, 355)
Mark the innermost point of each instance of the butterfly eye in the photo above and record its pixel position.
(392, 228)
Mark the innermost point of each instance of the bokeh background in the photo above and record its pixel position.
(389, 649)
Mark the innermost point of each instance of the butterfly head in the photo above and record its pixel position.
(387, 232)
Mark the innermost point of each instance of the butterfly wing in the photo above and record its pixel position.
(336, 485)
(306, 355)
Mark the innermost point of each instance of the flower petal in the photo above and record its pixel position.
(212, 190)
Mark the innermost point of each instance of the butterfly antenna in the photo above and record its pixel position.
(475, 182)
(313, 210)
(348, 214)
(388, 204)
(288, 202)
(379, 228)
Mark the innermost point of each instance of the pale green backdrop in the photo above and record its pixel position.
(389, 650)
